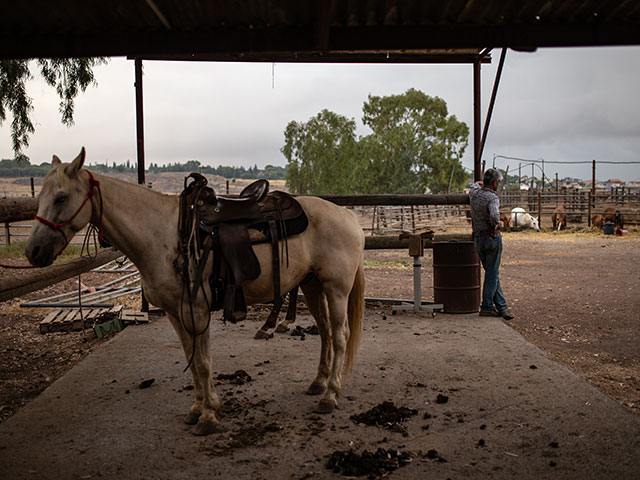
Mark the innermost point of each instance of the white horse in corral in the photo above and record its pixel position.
(520, 218)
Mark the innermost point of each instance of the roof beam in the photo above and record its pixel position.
(288, 41)
(158, 13)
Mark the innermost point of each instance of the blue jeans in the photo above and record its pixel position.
(490, 250)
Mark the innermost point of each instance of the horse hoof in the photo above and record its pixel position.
(191, 418)
(282, 328)
(315, 389)
(261, 335)
(325, 406)
(204, 428)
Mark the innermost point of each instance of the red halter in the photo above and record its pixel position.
(95, 184)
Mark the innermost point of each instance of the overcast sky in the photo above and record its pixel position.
(556, 104)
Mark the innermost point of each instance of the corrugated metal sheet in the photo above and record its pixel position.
(294, 29)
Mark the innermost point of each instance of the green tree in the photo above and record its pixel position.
(69, 76)
(321, 154)
(415, 145)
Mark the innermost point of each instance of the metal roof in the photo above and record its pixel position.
(309, 31)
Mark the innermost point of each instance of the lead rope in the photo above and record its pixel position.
(89, 235)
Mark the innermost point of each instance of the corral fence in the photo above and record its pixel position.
(432, 211)
(386, 219)
(580, 205)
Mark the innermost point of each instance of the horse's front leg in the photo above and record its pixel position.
(205, 411)
(210, 403)
(186, 340)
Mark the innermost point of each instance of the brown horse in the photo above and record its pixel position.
(597, 220)
(612, 214)
(506, 222)
(559, 218)
(144, 225)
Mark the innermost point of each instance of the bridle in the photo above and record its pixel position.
(94, 185)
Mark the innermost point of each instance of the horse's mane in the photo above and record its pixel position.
(142, 187)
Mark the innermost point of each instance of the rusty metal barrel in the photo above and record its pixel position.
(456, 276)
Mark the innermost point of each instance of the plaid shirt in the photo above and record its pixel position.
(485, 213)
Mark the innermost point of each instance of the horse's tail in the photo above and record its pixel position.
(355, 314)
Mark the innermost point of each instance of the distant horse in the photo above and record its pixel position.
(520, 218)
(559, 218)
(612, 214)
(597, 220)
(506, 221)
(326, 259)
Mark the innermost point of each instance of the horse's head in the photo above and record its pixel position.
(62, 210)
(534, 224)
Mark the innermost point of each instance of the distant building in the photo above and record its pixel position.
(613, 183)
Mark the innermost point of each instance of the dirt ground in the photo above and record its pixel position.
(574, 296)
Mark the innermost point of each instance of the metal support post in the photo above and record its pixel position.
(416, 250)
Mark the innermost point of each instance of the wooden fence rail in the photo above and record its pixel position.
(39, 278)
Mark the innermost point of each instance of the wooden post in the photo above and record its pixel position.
(373, 218)
(593, 181)
(413, 220)
(589, 209)
(532, 177)
(519, 175)
(33, 189)
(7, 234)
(539, 208)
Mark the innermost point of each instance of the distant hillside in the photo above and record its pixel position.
(166, 182)
(13, 169)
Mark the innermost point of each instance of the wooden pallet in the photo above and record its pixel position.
(69, 319)
(132, 317)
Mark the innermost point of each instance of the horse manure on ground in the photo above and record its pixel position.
(433, 455)
(239, 377)
(146, 383)
(442, 398)
(385, 415)
(302, 331)
(372, 464)
(242, 437)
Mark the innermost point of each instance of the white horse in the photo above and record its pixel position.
(144, 225)
(520, 218)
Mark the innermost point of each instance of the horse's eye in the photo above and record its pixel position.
(60, 199)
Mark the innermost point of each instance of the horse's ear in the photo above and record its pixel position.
(55, 161)
(74, 167)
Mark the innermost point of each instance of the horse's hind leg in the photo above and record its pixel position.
(317, 304)
(290, 316)
(337, 304)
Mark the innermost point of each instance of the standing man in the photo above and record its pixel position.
(485, 219)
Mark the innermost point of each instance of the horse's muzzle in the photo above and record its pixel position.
(41, 251)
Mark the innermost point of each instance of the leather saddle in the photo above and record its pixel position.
(229, 226)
